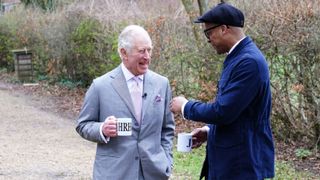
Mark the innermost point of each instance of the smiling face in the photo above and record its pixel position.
(137, 58)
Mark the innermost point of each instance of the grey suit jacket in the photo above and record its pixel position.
(150, 146)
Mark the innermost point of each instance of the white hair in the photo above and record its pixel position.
(125, 39)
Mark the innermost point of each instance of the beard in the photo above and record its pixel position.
(220, 49)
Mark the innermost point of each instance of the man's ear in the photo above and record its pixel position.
(225, 28)
(124, 54)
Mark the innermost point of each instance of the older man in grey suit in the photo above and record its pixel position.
(147, 153)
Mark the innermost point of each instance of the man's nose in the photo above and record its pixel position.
(147, 55)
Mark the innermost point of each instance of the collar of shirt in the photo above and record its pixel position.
(129, 78)
(128, 75)
(234, 46)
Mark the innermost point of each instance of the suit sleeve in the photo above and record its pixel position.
(88, 125)
(235, 96)
(168, 126)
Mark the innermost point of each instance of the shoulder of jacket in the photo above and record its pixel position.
(157, 76)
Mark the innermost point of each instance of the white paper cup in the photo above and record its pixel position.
(184, 142)
(124, 126)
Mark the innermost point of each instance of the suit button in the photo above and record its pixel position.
(136, 158)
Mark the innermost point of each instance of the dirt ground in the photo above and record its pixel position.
(36, 143)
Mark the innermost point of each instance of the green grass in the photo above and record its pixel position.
(187, 166)
(285, 171)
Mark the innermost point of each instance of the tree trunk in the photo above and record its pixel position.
(193, 14)
(203, 6)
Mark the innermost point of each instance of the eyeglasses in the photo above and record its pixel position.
(207, 32)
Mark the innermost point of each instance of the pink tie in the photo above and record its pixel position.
(136, 96)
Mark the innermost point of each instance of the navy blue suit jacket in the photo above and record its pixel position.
(240, 143)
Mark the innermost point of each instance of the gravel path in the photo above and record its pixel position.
(38, 144)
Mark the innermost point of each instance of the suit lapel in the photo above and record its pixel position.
(149, 90)
(120, 86)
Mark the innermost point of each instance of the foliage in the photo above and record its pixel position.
(66, 46)
(6, 45)
(190, 69)
(302, 153)
(294, 58)
(78, 42)
(69, 84)
(46, 5)
(94, 52)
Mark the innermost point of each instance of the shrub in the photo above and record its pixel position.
(6, 45)
(288, 33)
(78, 42)
(94, 52)
(302, 153)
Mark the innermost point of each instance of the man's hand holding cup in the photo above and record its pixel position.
(109, 127)
(113, 127)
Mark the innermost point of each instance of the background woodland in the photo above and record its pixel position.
(75, 41)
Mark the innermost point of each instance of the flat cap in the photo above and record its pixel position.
(223, 13)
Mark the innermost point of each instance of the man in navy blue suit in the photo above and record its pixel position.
(238, 133)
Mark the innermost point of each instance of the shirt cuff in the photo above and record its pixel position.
(105, 139)
(206, 128)
(182, 109)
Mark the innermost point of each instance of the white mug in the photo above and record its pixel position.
(124, 126)
(184, 142)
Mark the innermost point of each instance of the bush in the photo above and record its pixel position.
(94, 52)
(288, 33)
(302, 153)
(6, 57)
(78, 42)
(46, 5)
